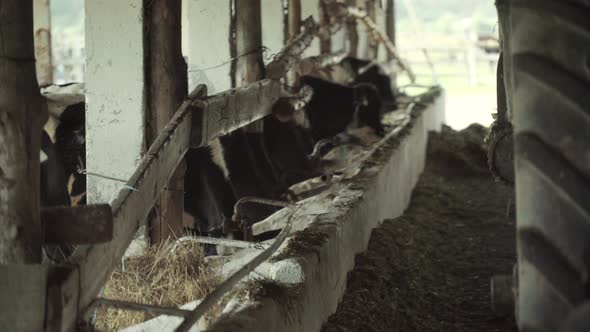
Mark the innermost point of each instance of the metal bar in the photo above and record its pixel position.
(228, 284)
(139, 307)
(259, 200)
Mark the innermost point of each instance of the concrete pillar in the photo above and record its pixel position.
(209, 49)
(115, 110)
(42, 33)
(272, 28)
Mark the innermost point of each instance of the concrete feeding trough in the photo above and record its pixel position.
(302, 284)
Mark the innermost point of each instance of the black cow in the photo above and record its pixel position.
(370, 72)
(208, 197)
(250, 171)
(70, 137)
(53, 191)
(335, 107)
(289, 146)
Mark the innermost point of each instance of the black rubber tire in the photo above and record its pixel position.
(550, 59)
(578, 320)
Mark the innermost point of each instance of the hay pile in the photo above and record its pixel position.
(167, 275)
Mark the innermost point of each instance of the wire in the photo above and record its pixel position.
(263, 48)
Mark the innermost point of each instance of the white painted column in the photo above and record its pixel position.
(185, 24)
(42, 33)
(115, 114)
(209, 60)
(272, 28)
(311, 7)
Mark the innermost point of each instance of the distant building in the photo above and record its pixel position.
(68, 57)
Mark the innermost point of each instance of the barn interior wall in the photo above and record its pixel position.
(209, 51)
(115, 94)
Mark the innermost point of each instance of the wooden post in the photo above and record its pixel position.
(250, 67)
(351, 30)
(21, 117)
(294, 19)
(325, 41)
(372, 48)
(167, 88)
(390, 23)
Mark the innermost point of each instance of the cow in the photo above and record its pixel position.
(208, 196)
(366, 71)
(335, 107)
(70, 138)
(53, 190)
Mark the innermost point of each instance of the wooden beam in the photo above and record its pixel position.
(250, 67)
(291, 53)
(325, 40)
(313, 63)
(86, 224)
(294, 18)
(372, 43)
(225, 112)
(22, 114)
(24, 293)
(293, 30)
(390, 23)
(167, 87)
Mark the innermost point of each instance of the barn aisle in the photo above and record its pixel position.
(429, 270)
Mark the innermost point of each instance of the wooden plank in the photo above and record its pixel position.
(233, 109)
(22, 304)
(130, 209)
(310, 64)
(86, 224)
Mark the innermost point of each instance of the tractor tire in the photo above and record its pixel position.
(550, 83)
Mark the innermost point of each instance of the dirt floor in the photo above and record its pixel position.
(429, 270)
